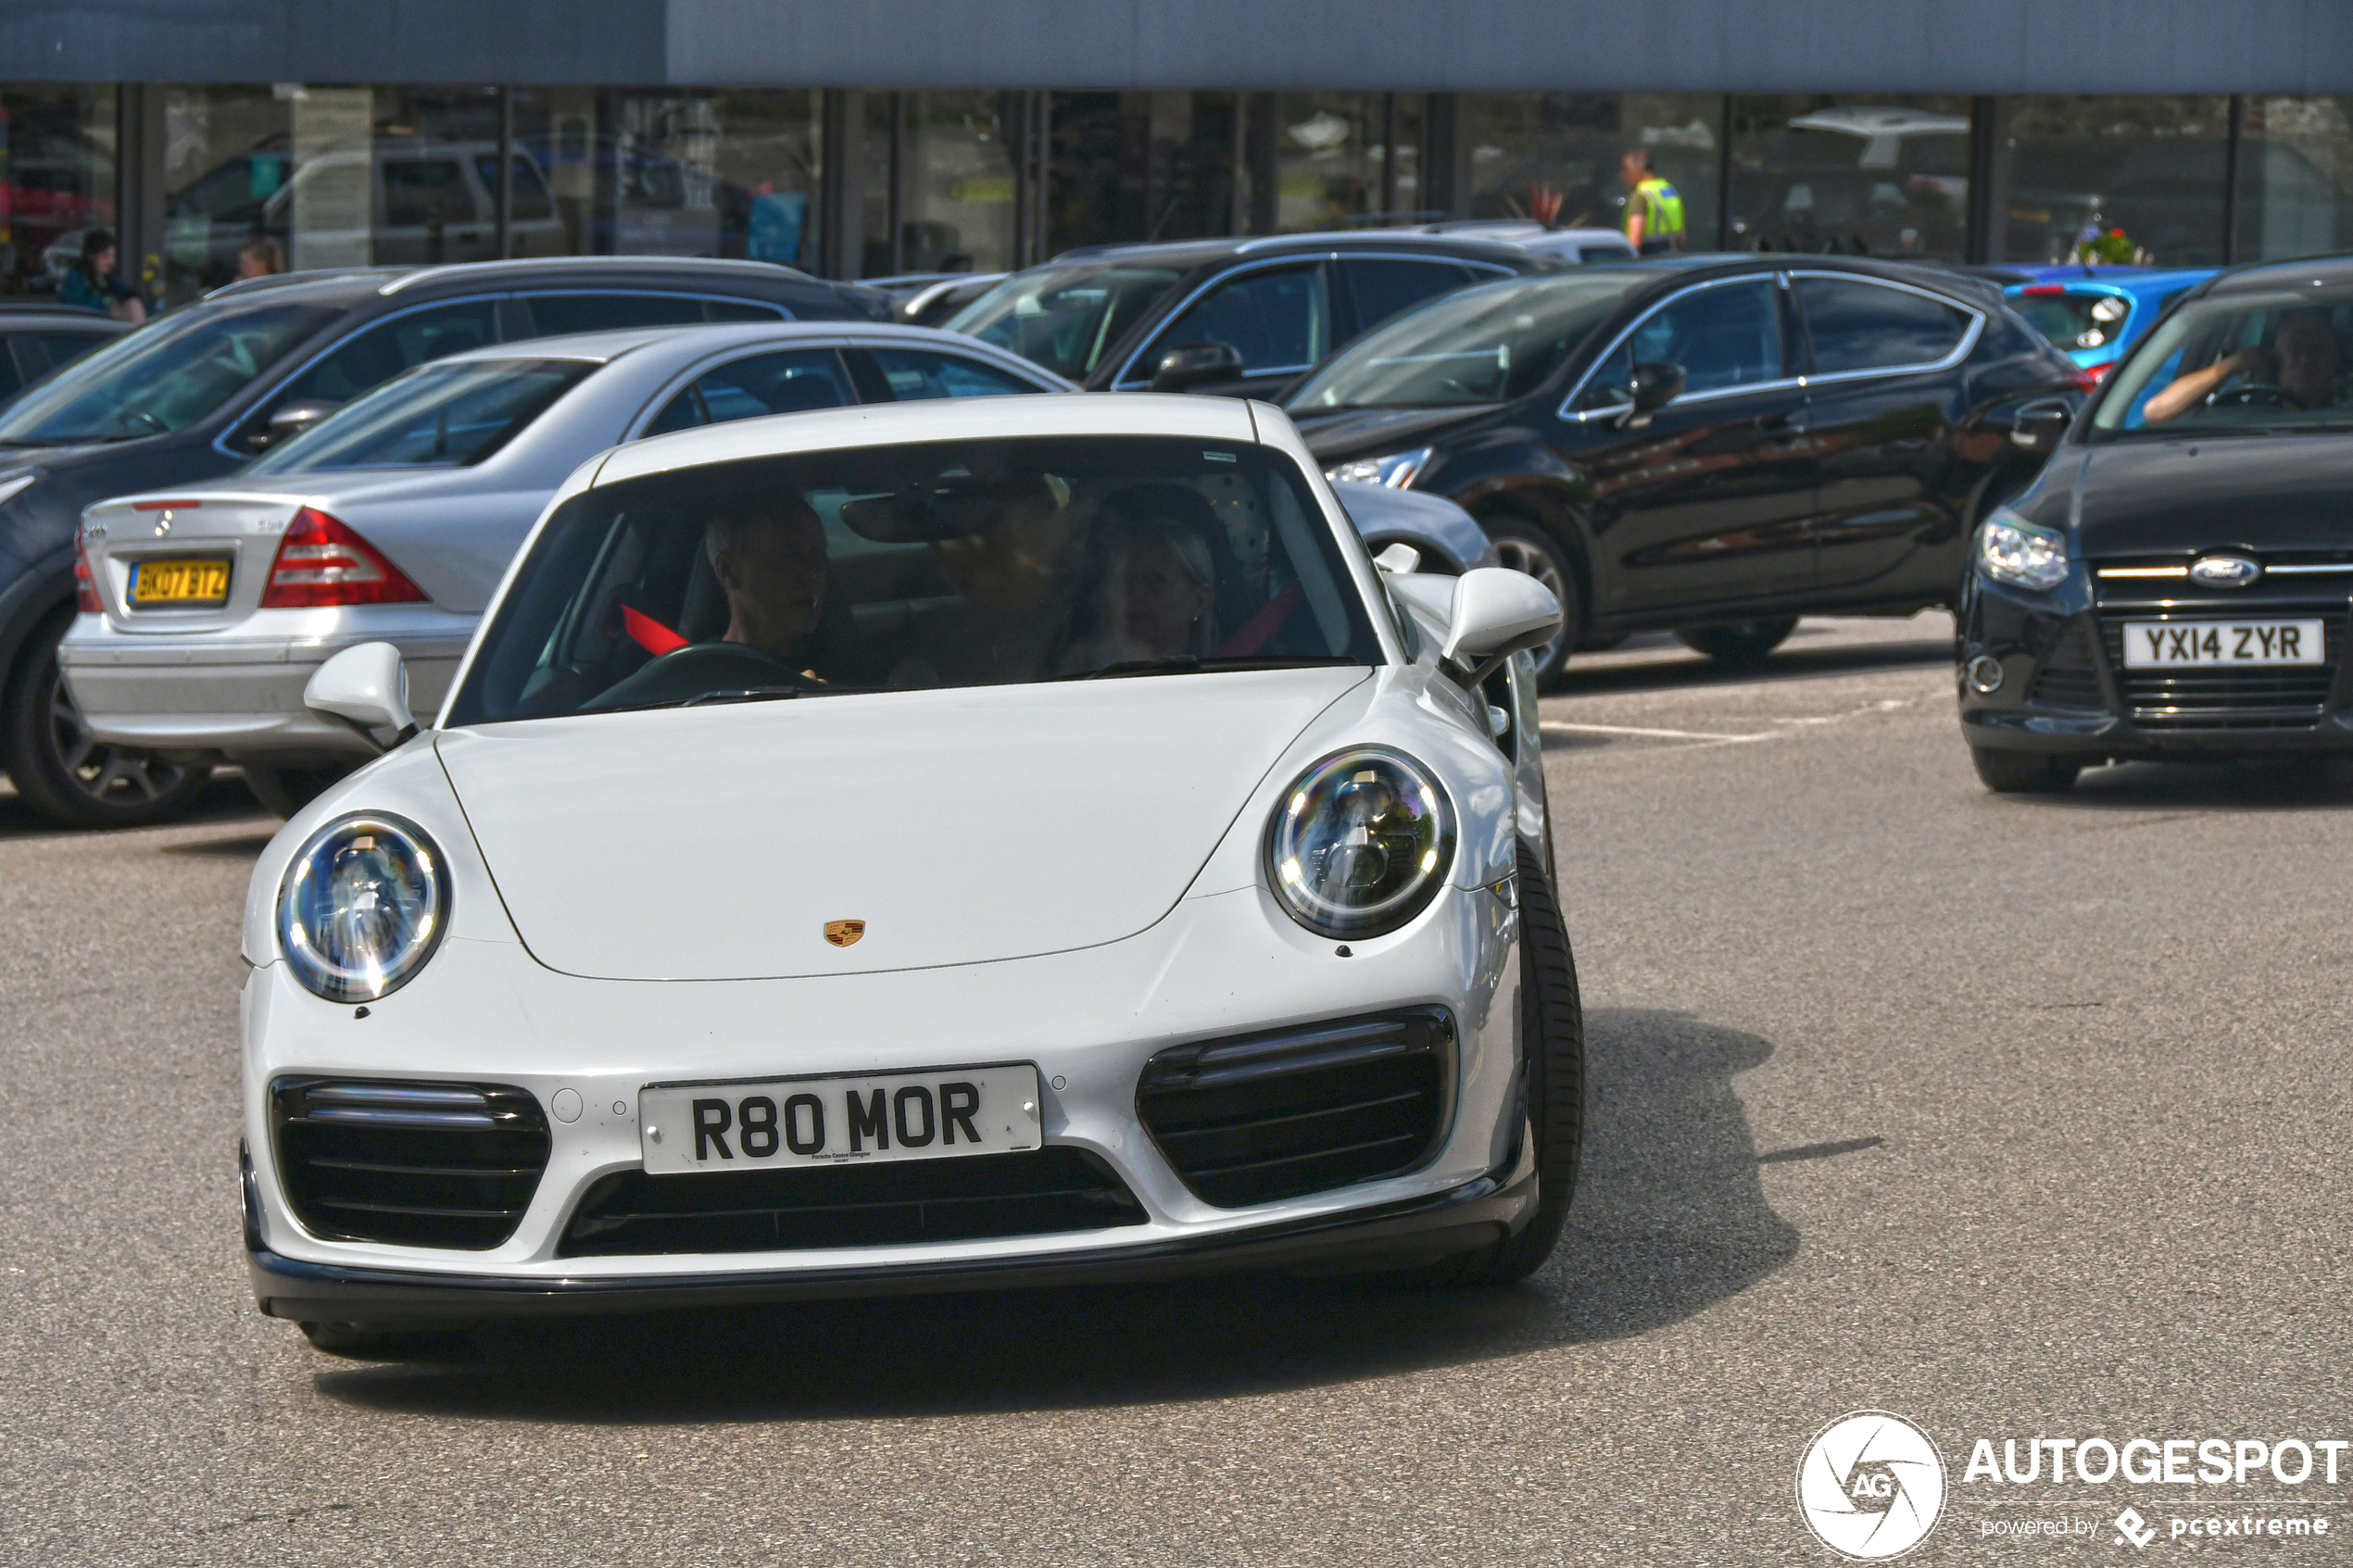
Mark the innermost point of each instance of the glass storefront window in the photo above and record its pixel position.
(1886, 174)
(57, 181)
(1554, 157)
(1328, 150)
(2296, 177)
(1138, 166)
(2152, 167)
(956, 184)
(227, 157)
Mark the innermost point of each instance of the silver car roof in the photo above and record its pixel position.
(664, 348)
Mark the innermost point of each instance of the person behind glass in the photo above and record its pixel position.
(770, 560)
(1653, 208)
(259, 256)
(1154, 585)
(2301, 361)
(92, 284)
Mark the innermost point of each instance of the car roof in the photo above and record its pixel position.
(682, 345)
(1197, 253)
(352, 284)
(884, 424)
(17, 314)
(2270, 275)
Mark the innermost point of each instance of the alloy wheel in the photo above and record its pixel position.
(111, 776)
(1517, 552)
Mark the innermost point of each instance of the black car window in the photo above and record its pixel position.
(384, 351)
(1611, 385)
(64, 348)
(1857, 325)
(438, 416)
(1723, 336)
(1383, 287)
(742, 310)
(918, 373)
(1279, 320)
(12, 382)
(552, 315)
(164, 376)
(790, 383)
(1065, 317)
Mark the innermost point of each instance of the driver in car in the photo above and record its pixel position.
(2301, 361)
(770, 560)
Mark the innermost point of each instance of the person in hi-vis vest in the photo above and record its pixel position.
(1653, 208)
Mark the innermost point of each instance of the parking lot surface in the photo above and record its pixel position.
(2015, 1116)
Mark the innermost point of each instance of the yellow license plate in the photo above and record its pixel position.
(180, 582)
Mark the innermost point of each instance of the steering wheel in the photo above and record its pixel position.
(2252, 392)
(697, 670)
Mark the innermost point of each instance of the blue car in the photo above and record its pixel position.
(2095, 313)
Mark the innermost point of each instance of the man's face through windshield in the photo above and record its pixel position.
(2305, 350)
(771, 563)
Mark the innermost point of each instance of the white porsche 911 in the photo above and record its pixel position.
(921, 847)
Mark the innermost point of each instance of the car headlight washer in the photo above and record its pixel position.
(362, 907)
(1360, 843)
(2011, 549)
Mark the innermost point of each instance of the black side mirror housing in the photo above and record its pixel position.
(291, 420)
(1189, 364)
(1654, 384)
(2040, 425)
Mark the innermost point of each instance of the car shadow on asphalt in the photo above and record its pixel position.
(1670, 1218)
(224, 799)
(2303, 783)
(1784, 664)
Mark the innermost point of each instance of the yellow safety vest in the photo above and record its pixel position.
(1661, 208)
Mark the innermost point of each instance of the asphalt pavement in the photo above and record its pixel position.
(2015, 1117)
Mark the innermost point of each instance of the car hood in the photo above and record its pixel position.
(1351, 433)
(2252, 492)
(960, 826)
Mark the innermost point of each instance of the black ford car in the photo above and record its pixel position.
(199, 393)
(1240, 317)
(2174, 587)
(1713, 445)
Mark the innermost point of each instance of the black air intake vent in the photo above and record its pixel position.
(413, 1165)
(2069, 677)
(1261, 1117)
(1051, 1190)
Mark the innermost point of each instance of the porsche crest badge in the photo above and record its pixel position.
(842, 932)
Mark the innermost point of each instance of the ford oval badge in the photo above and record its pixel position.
(2224, 572)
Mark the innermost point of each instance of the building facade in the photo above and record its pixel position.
(915, 135)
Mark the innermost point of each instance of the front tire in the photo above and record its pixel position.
(1525, 545)
(61, 771)
(1741, 642)
(2023, 772)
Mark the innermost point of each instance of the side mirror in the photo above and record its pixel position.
(1654, 384)
(290, 421)
(1189, 364)
(2040, 425)
(1399, 560)
(367, 688)
(1496, 613)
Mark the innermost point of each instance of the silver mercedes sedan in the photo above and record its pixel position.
(207, 607)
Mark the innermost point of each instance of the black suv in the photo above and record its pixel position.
(1244, 317)
(1710, 444)
(199, 392)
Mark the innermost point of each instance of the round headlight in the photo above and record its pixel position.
(1360, 844)
(363, 908)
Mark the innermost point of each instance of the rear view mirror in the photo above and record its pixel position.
(290, 421)
(1189, 364)
(366, 688)
(1496, 613)
(2040, 425)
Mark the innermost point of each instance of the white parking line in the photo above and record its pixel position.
(1558, 728)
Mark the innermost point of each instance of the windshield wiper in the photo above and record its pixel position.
(1192, 663)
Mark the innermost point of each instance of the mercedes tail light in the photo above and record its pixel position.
(85, 582)
(322, 563)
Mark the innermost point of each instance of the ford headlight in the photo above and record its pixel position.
(1361, 844)
(1397, 471)
(363, 908)
(2013, 550)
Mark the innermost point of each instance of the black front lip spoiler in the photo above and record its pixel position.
(1416, 1230)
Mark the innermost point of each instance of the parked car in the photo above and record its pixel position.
(2173, 586)
(1713, 445)
(927, 299)
(38, 337)
(1244, 317)
(393, 519)
(2093, 314)
(201, 392)
(1581, 246)
(1321, 1013)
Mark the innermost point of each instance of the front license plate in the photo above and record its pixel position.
(179, 582)
(759, 1124)
(2152, 645)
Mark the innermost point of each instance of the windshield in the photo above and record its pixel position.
(1065, 317)
(2238, 363)
(1482, 345)
(161, 377)
(436, 415)
(975, 563)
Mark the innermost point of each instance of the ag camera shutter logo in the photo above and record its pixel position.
(1871, 1485)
